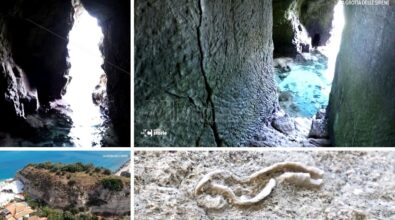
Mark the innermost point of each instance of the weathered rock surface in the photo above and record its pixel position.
(284, 124)
(86, 191)
(203, 71)
(356, 185)
(319, 127)
(284, 131)
(361, 109)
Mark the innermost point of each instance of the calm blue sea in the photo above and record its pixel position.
(13, 161)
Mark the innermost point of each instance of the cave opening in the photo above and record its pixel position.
(331, 49)
(304, 81)
(85, 93)
(65, 75)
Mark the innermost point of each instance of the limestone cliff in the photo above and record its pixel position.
(86, 190)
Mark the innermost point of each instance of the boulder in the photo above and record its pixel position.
(319, 129)
(284, 124)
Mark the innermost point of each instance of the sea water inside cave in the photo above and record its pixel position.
(85, 74)
(305, 87)
(75, 120)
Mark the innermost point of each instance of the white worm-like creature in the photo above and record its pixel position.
(292, 172)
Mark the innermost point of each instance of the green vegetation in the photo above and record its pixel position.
(55, 214)
(112, 184)
(61, 169)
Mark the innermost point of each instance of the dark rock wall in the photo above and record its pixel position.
(317, 17)
(114, 19)
(33, 61)
(362, 101)
(34, 38)
(18, 99)
(39, 36)
(202, 71)
(283, 32)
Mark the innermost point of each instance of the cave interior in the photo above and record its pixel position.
(264, 73)
(57, 89)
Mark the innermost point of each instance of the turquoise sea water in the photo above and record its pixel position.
(308, 84)
(13, 161)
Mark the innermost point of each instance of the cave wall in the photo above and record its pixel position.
(202, 71)
(315, 16)
(114, 19)
(34, 38)
(283, 32)
(17, 99)
(362, 101)
(40, 53)
(33, 61)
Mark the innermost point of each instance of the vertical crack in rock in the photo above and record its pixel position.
(209, 101)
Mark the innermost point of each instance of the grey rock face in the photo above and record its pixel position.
(319, 128)
(362, 102)
(283, 124)
(203, 71)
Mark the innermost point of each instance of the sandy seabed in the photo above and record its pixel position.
(356, 185)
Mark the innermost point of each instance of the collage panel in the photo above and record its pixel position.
(60, 185)
(65, 76)
(294, 73)
(282, 184)
(231, 106)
